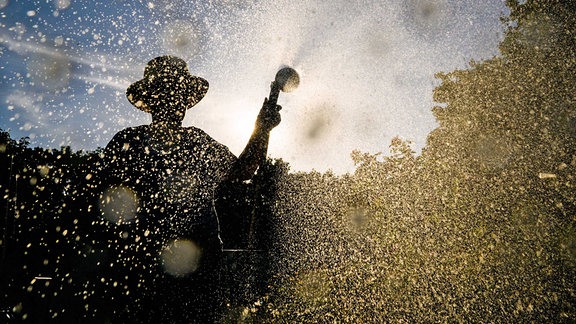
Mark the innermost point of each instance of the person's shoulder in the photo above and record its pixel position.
(198, 135)
(194, 130)
(131, 132)
(127, 135)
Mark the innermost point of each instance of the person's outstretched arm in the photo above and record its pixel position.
(255, 151)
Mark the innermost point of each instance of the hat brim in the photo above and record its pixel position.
(195, 87)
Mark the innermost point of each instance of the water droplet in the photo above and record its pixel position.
(62, 4)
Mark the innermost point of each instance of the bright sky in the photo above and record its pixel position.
(367, 68)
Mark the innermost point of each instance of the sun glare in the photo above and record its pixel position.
(240, 124)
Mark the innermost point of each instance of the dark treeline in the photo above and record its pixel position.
(480, 227)
(60, 256)
(47, 228)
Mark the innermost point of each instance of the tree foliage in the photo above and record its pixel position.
(480, 226)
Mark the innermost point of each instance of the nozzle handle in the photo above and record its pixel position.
(274, 93)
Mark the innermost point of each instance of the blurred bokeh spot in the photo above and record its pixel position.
(181, 257)
(119, 204)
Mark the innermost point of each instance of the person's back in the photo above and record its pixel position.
(176, 181)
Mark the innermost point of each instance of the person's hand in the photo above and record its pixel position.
(269, 116)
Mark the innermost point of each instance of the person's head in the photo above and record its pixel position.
(167, 90)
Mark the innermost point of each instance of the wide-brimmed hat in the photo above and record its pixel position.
(166, 76)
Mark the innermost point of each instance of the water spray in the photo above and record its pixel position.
(286, 80)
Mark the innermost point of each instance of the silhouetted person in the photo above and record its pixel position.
(168, 174)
